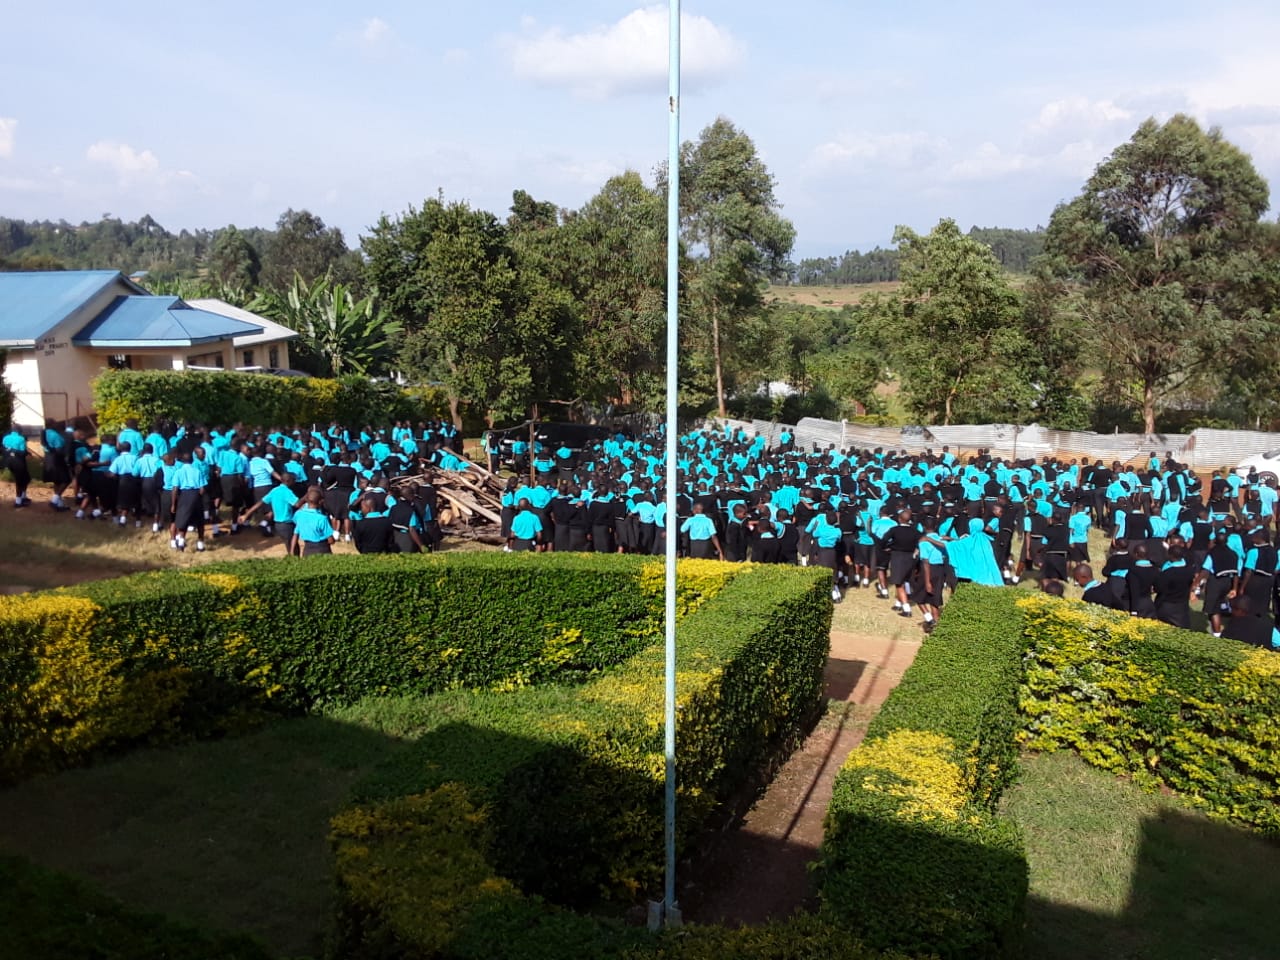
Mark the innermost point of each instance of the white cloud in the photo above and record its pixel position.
(373, 38)
(626, 56)
(1077, 112)
(128, 163)
(7, 127)
(887, 150)
(375, 31)
(134, 167)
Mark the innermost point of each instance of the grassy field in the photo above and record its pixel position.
(832, 297)
(1121, 874)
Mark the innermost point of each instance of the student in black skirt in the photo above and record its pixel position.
(371, 529)
(1218, 579)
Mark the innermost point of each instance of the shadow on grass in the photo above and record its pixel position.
(228, 834)
(1199, 889)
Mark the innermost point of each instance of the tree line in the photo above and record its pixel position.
(1015, 251)
(1148, 301)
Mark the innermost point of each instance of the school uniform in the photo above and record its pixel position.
(700, 530)
(128, 483)
(1260, 564)
(525, 528)
(1223, 567)
(1253, 630)
(1141, 581)
(339, 482)
(1173, 593)
(404, 519)
(372, 533)
(901, 541)
(280, 500)
(15, 459)
(188, 510)
(313, 530)
(602, 513)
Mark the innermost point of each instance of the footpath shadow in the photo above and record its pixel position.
(1200, 889)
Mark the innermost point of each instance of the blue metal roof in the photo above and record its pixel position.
(32, 304)
(158, 322)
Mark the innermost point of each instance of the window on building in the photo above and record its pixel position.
(273, 358)
(120, 361)
(248, 358)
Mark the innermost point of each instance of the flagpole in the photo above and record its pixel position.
(670, 911)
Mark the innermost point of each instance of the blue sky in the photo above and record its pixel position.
(869, 114)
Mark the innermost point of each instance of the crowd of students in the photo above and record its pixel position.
(909, 527)
(310, 488)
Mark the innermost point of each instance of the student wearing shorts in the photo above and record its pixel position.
(526, 529)
(281, 502)
(704, 544)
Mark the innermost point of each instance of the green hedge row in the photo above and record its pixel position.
(514, 806)
(258, 399)
(47, 915)
(154, 654)
(1160, 705)
(915, 856)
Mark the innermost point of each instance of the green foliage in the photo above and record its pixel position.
(226, 398)
(731, 219)
(45, 914)
(953, 333)
(914, 855)
(303, 246)
(1158, 246)
(556, 792)
(118, 661)
(233, 262)
(1015, 250)
(1162, 706)
(337, 334)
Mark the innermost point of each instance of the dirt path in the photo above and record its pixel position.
(759, 870)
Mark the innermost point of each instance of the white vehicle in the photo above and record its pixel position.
(1266, 464)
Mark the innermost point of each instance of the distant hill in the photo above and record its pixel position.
(1015, 249)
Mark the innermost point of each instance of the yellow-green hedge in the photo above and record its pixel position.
(1164, 706)
(915, 856)
(227, 397)
(552, 793)
(165, 653)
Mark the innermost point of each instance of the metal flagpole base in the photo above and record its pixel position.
(662, 917)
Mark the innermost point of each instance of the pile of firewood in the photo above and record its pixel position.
(470, 501)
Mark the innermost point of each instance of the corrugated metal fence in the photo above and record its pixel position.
(1201, 449)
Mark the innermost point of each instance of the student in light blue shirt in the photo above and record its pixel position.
(312, 531)
(701, 531)
(14, 448)
(526, 529)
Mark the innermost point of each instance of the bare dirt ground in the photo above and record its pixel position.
(759, 869)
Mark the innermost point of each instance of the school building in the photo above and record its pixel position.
(62, 328)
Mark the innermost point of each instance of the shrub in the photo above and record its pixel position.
(116, 661)
(914, 855)
(227, 397)
(1161, 705)
(556, 792)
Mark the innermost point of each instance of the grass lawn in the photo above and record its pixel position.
(226, 835)
(1122, 874)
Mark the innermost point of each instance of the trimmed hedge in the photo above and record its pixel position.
(511, 800)
(915, 856)
(1163, 706)
(45, 914)
(227, 397)
(162, 653)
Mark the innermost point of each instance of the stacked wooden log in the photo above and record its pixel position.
(470, 501)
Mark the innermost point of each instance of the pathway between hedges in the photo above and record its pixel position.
(758, 869)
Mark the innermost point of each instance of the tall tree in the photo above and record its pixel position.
(451, 280)
(1155, 246)
(615, 264)
(304, 246)
(233, 262)
(953, 333)
(739, 239)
